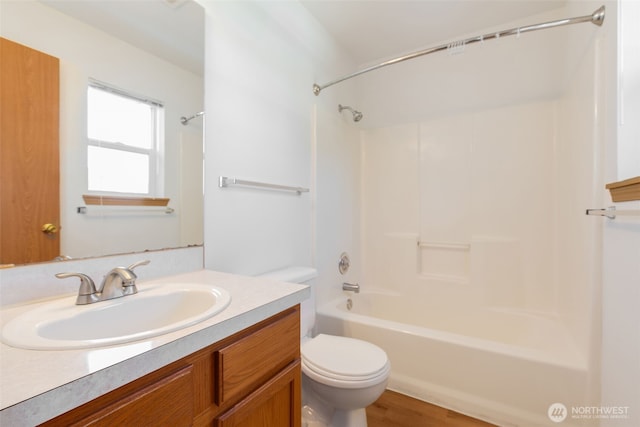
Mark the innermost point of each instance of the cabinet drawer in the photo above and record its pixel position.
(246, 364)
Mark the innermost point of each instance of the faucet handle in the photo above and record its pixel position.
(138, 264)
(87, 292)
(129, 288)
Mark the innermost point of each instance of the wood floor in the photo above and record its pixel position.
(397, 410)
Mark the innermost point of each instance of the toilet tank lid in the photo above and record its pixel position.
(292, 274)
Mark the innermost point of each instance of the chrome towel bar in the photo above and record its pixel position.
(612, 213)
(123, 210)
(224, 181)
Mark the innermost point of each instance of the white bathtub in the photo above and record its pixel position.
(503, 367)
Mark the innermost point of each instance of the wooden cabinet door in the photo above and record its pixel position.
(29, 154)
(276, 404)
(168, 401)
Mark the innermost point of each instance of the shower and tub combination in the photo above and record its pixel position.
(503, 366)
(478, 266)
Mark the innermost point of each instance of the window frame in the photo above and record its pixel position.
(155, 153)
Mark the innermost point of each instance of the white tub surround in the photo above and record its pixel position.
(39, 385)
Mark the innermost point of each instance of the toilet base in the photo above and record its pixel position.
(311, 418)
(353, 418)
(341, 418)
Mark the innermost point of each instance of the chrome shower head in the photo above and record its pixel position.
(185, 120)
(357, 115)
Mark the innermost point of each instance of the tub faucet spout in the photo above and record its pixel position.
(352, 287)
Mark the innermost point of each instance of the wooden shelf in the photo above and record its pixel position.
(625, 191)
(124, 201)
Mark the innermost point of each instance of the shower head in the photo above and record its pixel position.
(357, 115)
(185, 120)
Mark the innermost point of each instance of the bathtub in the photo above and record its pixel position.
(504, 367)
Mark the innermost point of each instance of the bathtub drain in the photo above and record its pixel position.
(349, 303)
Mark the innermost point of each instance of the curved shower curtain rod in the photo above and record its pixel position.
(595, 18)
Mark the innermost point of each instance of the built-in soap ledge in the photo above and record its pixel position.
(625, 191)
(443, 261)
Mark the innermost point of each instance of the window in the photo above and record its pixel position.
(125, 142)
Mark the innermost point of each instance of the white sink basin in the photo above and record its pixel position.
(153, 311)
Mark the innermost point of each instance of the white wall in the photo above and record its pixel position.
(338, 200)
(262, 59)
(85, 53)
(621, 279)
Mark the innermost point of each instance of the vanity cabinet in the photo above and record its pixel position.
(251, 379)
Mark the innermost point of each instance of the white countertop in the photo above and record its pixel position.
(38, 385)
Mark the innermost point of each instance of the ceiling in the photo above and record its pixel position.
(170, 29)
(369, 30)
(374, 29)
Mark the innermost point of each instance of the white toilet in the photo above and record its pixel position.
(340, 376)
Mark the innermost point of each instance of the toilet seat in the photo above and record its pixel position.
(344, 362)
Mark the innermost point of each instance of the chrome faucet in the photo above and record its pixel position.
(118, 282)
(353, 287)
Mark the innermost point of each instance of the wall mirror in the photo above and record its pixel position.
(153, 49)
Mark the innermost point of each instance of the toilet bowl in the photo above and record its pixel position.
(340, 376)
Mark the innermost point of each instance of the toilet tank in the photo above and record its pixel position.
(305, 276)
